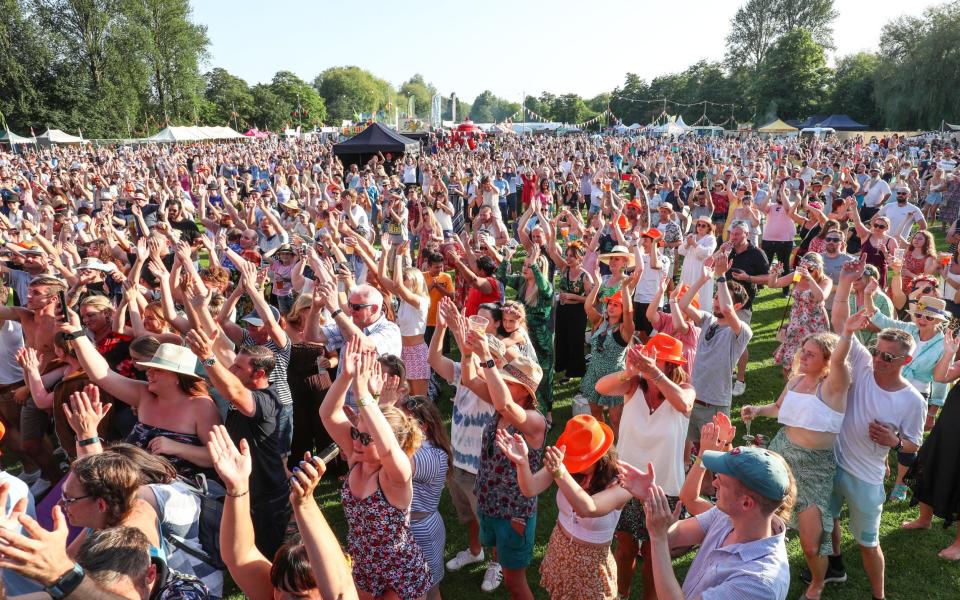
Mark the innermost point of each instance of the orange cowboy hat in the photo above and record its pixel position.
(616, 298)
(653, 233)
(586, 440)
(668, 348)
(684, 288)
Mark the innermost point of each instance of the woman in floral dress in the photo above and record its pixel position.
(808, 314)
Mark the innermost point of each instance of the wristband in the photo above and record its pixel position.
(624, 377)
(559, 472)
(74, 334)
(89, 441)
(366, 401)
(721, 279)
(66, 584)
(334, 314)
(697, 462)
(238, 495)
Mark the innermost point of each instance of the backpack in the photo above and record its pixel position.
(210, 495)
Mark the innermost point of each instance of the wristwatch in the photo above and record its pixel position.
(209, 362)
(722, 279)
(75, 334)
(334, 314)
(488, 364)
(67, 583)
(899, 445)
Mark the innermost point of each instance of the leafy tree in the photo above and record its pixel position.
(303, 103)
(347, 91)
(852, 92)
(792, 81)
(422, 93)
(463, 109)
(599, 103)
(24, 55)
(488, 108)
(816, 16)
(758, 24)
(570, 109)
(626, 102)
(270, 111)
(227, 94)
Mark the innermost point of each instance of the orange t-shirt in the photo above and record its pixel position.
(443, 281)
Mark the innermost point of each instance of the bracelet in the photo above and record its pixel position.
(243, 493)
(334, 314)
(660, 376)
(721, 279)
(366, 401)
(624, 377)
(89, 441)
(697, 462)
(559, 472)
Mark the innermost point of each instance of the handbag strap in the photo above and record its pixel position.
(785, 310)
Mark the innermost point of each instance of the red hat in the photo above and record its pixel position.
(653, 233)
(586, 441)
(616, 298)
(668, 348)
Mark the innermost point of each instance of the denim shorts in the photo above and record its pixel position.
(864, 503)
(514, 551)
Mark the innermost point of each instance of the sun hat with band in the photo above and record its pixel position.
(173, 358)
(668, 348)
(586, 441)
(619, 251)
(930, 306)
(525, 372)
(756, 468)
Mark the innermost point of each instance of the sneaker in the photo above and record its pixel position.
(492, 578)
(39, 487)
(834, 575)
(739, 387)
(898, 493)
(464, 558)
(29, 478)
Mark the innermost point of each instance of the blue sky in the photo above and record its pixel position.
(509, 47)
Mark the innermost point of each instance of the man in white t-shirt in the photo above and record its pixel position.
(903, 214)
(884, 412)
(876, 192)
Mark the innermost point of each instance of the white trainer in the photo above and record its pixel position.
(464, 558)
(739, 388)
(492, 578)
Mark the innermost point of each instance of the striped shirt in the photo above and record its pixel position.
(278, 377)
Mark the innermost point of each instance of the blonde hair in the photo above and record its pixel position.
(405, 427)
(414, 275)
(825, 341)
(99, 302)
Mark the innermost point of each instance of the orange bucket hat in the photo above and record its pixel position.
(684, 288)
(668, 348)
(586, 441)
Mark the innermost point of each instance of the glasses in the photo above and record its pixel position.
(359, 307)
(879, 225)
(702, 225)
(833, 239)
(412, 403)
(926, 317)
(67, 501)
(884, 356)
(365, 438)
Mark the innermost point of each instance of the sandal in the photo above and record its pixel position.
(898, 493)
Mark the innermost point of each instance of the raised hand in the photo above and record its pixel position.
(85, 411)
(951, 341)
(200, 343)
(513, 446)
(39, 554)
(553, 458)
(727, 431)
(305, 478)
(634, 480)
(659, 516)
(232, 465)
(28, 359)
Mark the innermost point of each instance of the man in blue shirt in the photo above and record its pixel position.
(742, 551)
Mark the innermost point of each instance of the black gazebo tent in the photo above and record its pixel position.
(373, 139)
(842, 123)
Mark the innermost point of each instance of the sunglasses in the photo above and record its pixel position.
(412, 403)
(365, 438)
(833, 239)
(926, 317)
(884, 356)
(702, 225)
(359, 307)
(879, 225)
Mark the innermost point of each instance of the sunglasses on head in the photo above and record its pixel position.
(884, 356)
(365, 438)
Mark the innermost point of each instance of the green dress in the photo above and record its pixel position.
(538, 325)
(608, 351)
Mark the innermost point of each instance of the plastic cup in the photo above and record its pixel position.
(945, 258)
(898, 254)
(564, 232)
(347, 249)
(478, 324)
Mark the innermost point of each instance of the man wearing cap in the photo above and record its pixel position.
(903, 214)
(742, 550)
(884, 412)
(34, 264)
(876, 192)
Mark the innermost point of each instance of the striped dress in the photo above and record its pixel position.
(428, 481)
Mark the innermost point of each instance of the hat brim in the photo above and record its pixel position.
(255, 321)
(578, 464)
(163, 367)
(508, 377)
(631, 259)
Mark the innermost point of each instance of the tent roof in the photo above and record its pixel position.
(376, 138)
(811, 121)
(55, 136)
(777, 126)
(842, 123)
(13, 139)
(173, 135)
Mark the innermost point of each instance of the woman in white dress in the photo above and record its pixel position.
(695, 249)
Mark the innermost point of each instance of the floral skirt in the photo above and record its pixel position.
(576, 571)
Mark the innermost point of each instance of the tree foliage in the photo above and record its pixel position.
(487, 108)
(229, 97)
(758, 24)
(794, 76)
(422, 93)
(348, 91)
(852, 92)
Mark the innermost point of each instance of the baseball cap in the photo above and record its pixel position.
(757, 468)
(254, 317)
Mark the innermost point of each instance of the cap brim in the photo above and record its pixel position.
(717, 462)
(255, 321)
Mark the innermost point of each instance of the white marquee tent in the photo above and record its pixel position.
(9, 137)
(55, 136)
(172, 135)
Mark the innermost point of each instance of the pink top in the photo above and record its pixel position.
(664, 324)
(779, 227)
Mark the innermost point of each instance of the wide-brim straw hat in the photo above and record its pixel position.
(173, 358)
(619, 251)
(524, 371)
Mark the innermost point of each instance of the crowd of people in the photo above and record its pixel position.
(191, 336)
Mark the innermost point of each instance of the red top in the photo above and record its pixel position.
(530, 187)
(475, 297)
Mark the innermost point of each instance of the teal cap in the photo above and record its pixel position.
(757, 468)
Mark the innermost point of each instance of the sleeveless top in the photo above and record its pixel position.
(809, 411)
(497, 490)
(572, 286)
(656, 437)
(142, 434)
(594, 530)
(412, 320)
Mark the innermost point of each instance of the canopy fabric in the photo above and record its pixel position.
(55, 136)
(255, 133)
(377, 138)
(953, 127)
(842, 123)
(777, 126)
(813, 121)
(9, 137)
(173, 135)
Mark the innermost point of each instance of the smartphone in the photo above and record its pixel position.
(63, 303)
(328, 454)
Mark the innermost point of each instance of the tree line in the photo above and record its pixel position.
(126, 68)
